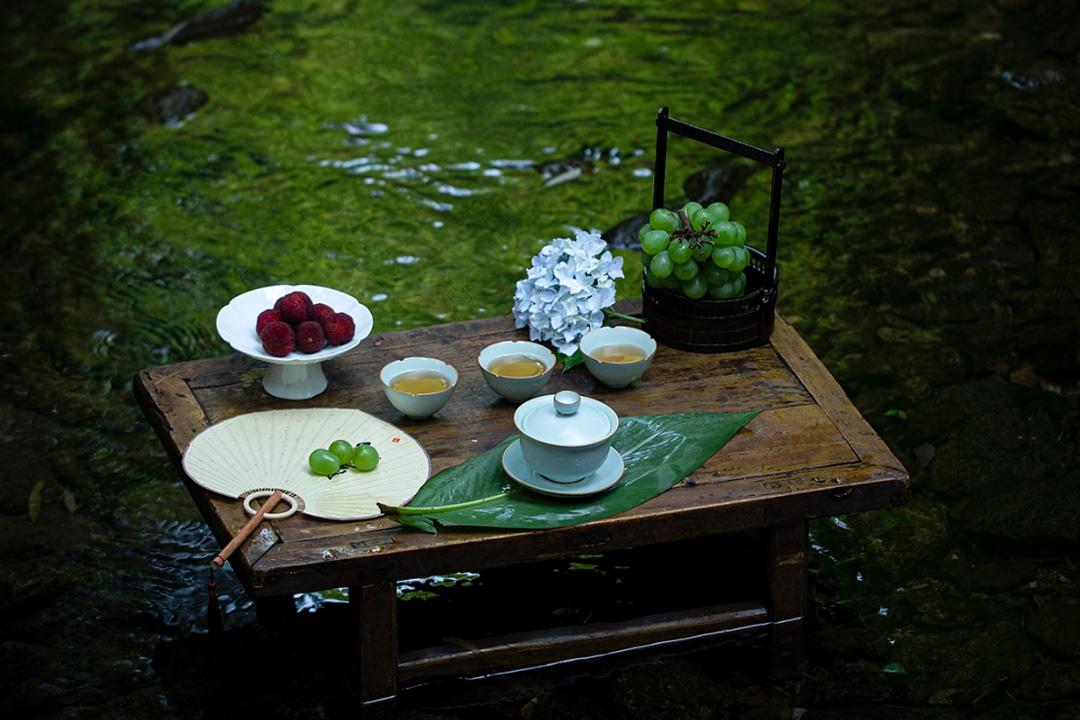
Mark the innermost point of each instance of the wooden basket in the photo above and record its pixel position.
(708, 325)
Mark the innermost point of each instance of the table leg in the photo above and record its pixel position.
(374, 611)
(786, 556)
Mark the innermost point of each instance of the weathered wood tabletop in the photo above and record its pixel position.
(808, 454)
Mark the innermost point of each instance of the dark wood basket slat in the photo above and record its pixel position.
(708, 325)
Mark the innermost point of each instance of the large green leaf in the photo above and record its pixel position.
(658, 450)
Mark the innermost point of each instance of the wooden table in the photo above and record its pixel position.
(808, 454)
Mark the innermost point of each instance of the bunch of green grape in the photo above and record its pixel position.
(328, 462)
(696, 250)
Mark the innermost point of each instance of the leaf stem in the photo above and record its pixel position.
(418, 510)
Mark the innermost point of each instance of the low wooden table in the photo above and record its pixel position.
(808, 454)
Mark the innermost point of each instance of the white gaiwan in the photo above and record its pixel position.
(565, 437)
(297, 376)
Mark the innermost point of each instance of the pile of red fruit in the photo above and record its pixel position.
(296, 323)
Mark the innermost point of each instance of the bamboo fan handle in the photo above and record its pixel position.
(248, 528)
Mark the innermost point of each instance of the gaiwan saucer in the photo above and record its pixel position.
(602, 480)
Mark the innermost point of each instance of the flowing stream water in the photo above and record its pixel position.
(928, 249)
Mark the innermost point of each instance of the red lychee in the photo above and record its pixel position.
(321, 312)
(266, 316)
(277, 338)
(339, 329)
(310, 337)
(294, 308)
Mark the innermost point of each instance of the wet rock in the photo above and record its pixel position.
(18, 429)
(955, 668)
(624, 236)
(1042, 509)
(924, 454)
(989, 573)
(926, 126)
(142, 703)
(717, 184)
(1010, 710)
(854, 683)
(1012, 5)
(1051, 680)
(934, 603)
(1006, 200)
(1025, 377)
(174, 104)
(1050, 580)
(1048, 342)
(906, 335)
(899, 539)
(22, 475)
(230, 19)
(558, 172)
(830, 643)
(680, 688)
(874, 711)
(1056, 626)
(992, 436)
(1034, 79)
(1004, 255)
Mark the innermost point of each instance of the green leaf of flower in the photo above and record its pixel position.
(571, 361)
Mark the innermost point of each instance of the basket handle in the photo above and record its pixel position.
(666, 124)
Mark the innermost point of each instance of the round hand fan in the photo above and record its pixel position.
(253, 455)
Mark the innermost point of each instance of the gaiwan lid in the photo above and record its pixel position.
(566, 419)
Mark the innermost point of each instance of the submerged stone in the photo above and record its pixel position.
(983, 574)
(1056, 626)
(1047, 508)
(1052, 680)
(1003, 459)
(924, 454)
(955, 668)
(900, 539)
(717, 184)
(558, 172)
(991, 435)
(174, 104)
(222, 21)
(624, 236)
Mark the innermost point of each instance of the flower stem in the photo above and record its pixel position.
(623, 316)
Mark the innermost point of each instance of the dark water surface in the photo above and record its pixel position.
(929, 251)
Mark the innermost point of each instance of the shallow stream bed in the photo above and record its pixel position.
(416, 154)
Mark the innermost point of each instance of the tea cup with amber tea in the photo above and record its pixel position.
(515, 369)
(418, 386)
(617, 356)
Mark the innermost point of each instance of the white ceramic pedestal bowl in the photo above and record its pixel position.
(296, 376)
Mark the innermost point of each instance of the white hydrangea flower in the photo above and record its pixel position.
(566, 290)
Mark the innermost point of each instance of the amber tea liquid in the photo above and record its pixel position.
(516, 366)
(420, 382)
(619, 353)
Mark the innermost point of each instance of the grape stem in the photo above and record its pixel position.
(683, 219)
(696, 238)
(623, 316)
